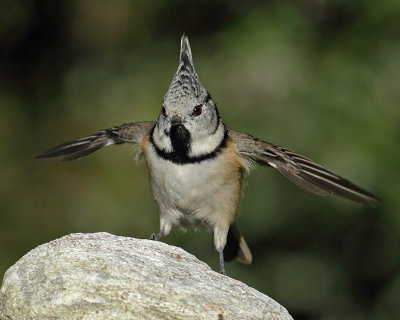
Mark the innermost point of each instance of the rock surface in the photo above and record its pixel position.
(102, 276)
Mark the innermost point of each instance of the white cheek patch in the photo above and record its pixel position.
(162, 142)
(207, 144)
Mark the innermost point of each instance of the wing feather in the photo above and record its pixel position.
(300, 170)
(128, 132)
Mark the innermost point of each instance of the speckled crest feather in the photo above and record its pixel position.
(185, 83)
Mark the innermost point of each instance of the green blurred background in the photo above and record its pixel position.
(319, 77)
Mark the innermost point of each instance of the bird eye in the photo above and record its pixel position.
(163, 112)
(197, 110)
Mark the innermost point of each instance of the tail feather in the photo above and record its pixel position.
(236, 247)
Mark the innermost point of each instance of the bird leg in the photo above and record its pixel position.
(221, 260)
(157, 237)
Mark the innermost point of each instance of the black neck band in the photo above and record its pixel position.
(180, 157)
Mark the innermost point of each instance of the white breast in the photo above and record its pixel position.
(194, 193)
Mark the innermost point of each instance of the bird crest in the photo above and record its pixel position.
(185, 83)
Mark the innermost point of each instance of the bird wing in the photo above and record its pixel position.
(300, 170)
(128, 132)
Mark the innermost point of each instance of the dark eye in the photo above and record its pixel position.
(197, 110)
(163, 112)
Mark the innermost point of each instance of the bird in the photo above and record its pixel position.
(197, 163)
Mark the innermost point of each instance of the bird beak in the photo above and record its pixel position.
(176, 121)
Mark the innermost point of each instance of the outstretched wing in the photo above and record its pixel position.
(300, 170)
(128, 132)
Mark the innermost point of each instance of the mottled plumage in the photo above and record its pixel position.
(196, 163)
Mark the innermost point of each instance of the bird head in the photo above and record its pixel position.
(189, 117)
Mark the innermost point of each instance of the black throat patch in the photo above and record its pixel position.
(180, 140)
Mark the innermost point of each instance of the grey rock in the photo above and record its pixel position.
(102, 276)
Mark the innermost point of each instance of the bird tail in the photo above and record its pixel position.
(236, 247)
